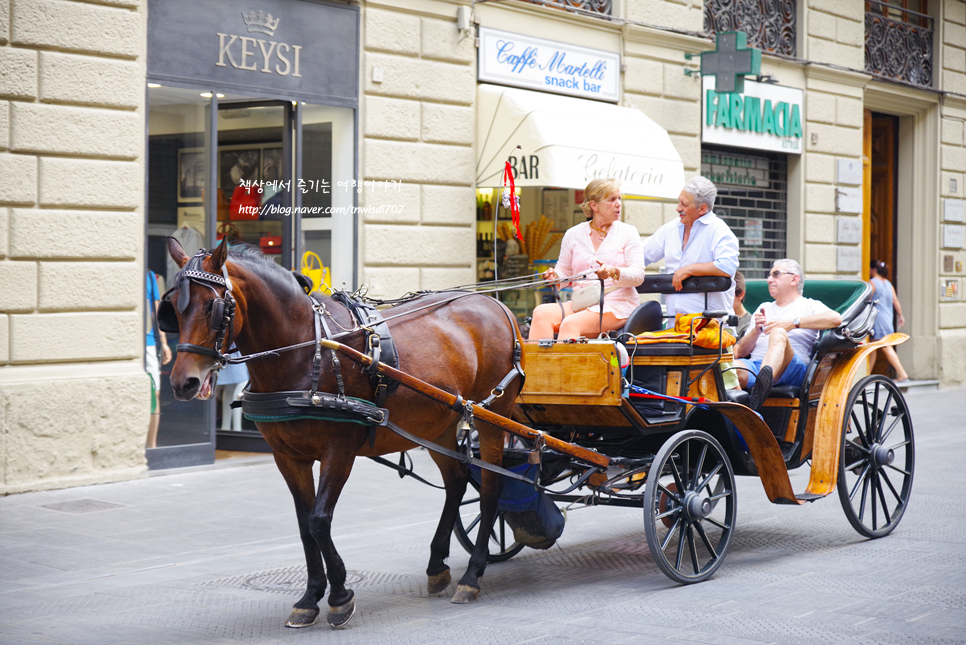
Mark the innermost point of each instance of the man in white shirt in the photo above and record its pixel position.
(781, 337)
(697, 243)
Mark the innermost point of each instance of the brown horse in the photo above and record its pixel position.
(462, 345)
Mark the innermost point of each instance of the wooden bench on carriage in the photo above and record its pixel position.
(677, 457)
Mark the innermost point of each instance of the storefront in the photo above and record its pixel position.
(559, 128)
(746, 141)
(251, 135)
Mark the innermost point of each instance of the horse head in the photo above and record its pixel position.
(200, 307)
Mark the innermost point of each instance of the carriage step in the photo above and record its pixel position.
(808, 497)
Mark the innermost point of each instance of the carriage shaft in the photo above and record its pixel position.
(451, 401)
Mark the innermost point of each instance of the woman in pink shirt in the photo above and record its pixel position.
(604, 246)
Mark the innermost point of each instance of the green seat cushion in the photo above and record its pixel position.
(837, 295)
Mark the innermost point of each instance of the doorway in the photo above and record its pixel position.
(881, 133)
(280, 175)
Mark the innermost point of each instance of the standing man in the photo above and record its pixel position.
(697, 243)
(781, 338)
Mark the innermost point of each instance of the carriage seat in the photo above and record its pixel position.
(850, 298)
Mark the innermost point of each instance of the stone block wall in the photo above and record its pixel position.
(74, 398)
(418, 126)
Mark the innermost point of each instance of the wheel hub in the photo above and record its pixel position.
(696, 507)
(882, 456)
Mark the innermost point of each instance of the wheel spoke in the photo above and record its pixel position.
(865, 489)
(707, 480)
(875, 415)
(884, 413)
(669, 493)
(670, 534)
(693, 551)
(467, 502)
(899, 417)
(861, 460)
(723, 527)
(857, 446)
(862, 478)
(874, 481)
(857, 426)
(721, 495)
(685, 465)
(707, 542)
(865, 410)
(898, 470)
(673, 511)
(882, 500)
(474, 523)
(697, 468)
(900, 445)
(891, 487)
(680, 554)
(676, 474)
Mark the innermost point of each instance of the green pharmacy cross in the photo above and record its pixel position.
(730, 62)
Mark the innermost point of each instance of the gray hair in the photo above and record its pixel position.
(793, 267)
(703, 189)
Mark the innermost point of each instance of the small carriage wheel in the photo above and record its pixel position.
(502, 546)
(877, 457)
(691, 482)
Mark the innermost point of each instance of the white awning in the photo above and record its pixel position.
(566, 142)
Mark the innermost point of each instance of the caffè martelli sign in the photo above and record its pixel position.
(287, 48)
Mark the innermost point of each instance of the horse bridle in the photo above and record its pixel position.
(222, 307)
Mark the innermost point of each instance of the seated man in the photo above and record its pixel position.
(780, 339)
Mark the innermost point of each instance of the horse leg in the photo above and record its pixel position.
(334, 472)
(491, 451)
(298, 476)
(455, 477)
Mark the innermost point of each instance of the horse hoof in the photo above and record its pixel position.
(302, 617)
(439, 583)
(466, 594)
(339, 616)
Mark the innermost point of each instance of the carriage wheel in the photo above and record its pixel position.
(502, 546)
(691, 483)
(877, 458)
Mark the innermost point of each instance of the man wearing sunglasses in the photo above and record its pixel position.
(783, 332)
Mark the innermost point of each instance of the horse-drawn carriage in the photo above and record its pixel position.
(664, 435)
(677, 456)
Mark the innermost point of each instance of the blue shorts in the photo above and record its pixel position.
(793, 375)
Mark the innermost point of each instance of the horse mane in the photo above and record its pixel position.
(265, 267)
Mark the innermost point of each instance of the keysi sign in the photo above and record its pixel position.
(280, 63)
(763, 117)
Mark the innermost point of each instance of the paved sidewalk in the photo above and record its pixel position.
(212, 555)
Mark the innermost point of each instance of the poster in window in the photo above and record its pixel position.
(191, 174)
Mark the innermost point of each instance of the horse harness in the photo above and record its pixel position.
(221, 317)
(313, 404)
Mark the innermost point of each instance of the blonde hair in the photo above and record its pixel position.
(598, 190)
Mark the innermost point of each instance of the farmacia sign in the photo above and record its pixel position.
(763, 117)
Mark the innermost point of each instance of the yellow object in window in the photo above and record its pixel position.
(313, 268)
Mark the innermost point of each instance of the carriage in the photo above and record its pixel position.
(677, 457)
(332, 376)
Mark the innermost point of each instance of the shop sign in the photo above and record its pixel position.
(549, 66)
(763, 117)
(735, 170)
(274, 47)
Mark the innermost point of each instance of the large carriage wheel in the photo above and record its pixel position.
(877, 458)
(689, 506)
(502, 546)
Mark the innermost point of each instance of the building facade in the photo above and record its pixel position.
(123, 122)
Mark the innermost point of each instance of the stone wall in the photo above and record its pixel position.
(74, 398)
(418, 126)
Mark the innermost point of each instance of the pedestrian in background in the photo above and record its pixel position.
(886, 301)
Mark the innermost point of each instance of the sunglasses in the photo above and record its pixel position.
(776, 273)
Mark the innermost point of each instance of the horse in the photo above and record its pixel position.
(460, 342)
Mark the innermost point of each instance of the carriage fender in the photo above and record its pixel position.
(831, 413)
(764, 449)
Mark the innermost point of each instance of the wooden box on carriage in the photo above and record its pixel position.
(580, 383)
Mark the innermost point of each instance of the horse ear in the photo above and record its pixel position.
(219, 255)
(177, 253)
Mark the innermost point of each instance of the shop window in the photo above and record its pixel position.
(770, 25)
(753, 202)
